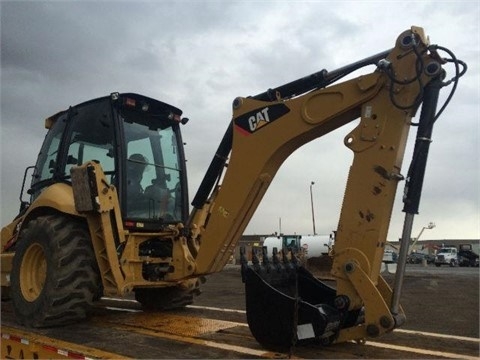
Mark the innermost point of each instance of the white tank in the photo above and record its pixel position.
(272, 242)
(316, 245)
(313, 245)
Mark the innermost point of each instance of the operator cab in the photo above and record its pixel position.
(138, 143)
(291, 243)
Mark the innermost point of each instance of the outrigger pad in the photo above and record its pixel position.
(287, 305)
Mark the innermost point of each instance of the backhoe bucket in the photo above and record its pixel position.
(287, 305)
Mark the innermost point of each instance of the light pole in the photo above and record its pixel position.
(313, 213)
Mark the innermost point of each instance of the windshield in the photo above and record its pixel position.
(444, 251)
(153, 168)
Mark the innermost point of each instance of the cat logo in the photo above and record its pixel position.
(257, 119)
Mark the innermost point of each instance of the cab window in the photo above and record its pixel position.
(47, 159)
(91, 137)
(153, 171)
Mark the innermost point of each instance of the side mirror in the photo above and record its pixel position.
(25, 204)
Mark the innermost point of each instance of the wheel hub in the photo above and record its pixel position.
(33, 272)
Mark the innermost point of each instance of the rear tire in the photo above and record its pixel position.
(54, 275)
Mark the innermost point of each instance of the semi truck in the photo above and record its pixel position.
(447, 255)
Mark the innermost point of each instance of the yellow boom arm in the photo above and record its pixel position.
(265, 132)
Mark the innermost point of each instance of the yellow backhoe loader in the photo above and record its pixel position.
(109, 215)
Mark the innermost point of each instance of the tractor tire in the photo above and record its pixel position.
(54, 277)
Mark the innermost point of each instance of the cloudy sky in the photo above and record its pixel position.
(200, 55)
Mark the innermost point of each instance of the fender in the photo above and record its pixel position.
(57, 196)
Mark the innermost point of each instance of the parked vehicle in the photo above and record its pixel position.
(466, 256)
(415, 258)
(447, 256)
(390, 257)
(430, 258)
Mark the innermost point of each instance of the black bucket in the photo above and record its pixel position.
(286, 305)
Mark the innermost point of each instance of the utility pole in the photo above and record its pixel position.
(313, 213)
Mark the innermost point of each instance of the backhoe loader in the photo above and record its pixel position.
(109, 214)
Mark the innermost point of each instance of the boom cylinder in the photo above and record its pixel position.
(318, 80)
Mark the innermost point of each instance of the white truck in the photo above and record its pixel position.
(447, 255)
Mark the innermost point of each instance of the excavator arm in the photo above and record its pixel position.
(264, 135)
(264, 131)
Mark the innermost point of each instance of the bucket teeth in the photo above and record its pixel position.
(275, 259)
(279, 269)
(255, 259)
(243, 262)
(265, 259)
(281, 265)
(284, 257)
